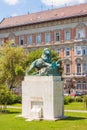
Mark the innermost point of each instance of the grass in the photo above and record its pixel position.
(75, 106)
(75, 121)
(16, 105)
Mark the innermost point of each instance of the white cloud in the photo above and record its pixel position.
(62, 2)
(11, 2)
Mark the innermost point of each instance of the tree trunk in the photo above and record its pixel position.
(86, 104)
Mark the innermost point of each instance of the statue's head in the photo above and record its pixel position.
(47, 55)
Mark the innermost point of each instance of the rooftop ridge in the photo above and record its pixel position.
(57, 8)
(43, 16)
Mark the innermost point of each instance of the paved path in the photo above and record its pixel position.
(14, 107)
(81, 111)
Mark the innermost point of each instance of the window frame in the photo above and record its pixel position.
(21, 40)
(78, 50)
(84, 49)
(80, 33)
(47, 37)
(67, 35)
(29, 40)
(84, 68)
(78, 68)
(38, 38)
(67, 68)
(67, 52)
(57, 37)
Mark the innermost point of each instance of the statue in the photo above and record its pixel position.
(45, 66)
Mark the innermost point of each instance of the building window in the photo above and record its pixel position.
(84, 68)
(67, 35)
(79, 85)
(29, 39)
(68, 68)
(21, 41)
(78, 50)
(80, 34)
(38, 38)
(84, 85)
(58, 51)
(78, 69)
(67, 51)
(84, 51)
(47, 37)
(57, 37)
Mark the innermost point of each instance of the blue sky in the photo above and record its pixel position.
(10, 8)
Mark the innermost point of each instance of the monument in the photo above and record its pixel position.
(42, 92)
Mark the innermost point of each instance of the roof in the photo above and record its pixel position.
(48, 15)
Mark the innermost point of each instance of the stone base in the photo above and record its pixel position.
(42, 98)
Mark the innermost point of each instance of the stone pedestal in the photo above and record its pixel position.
(42, 97)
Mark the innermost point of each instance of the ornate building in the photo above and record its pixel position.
(63, 29)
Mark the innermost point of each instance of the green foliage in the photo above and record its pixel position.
(65, 100)
(33, 56)
(55, 56)
(17, 99)
(12, 65)
(68, 99)
(85, 100)
(5, 95)
(19, 70)
(78, 99)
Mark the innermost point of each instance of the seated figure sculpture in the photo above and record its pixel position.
(45, 66)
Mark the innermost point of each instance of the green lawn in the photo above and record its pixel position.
(75, 106)
(70, 106)
(75, 121)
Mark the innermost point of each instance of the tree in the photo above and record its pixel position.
(5, 96)
(12, 65)
(85, 100)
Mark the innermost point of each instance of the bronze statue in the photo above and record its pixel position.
(45, 66)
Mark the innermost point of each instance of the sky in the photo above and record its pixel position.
(9, 8)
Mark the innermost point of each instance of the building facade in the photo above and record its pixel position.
(63, 30)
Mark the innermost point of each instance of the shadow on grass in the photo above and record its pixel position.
(10, 112)
(70, 118)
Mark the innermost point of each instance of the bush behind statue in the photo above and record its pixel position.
(68, 99)
(14, 99)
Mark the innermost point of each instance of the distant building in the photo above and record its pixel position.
(63, 29)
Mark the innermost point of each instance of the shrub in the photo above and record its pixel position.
(65, 100)
(17, 99)
(78, 99)
(68, 99)
(6, 96)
